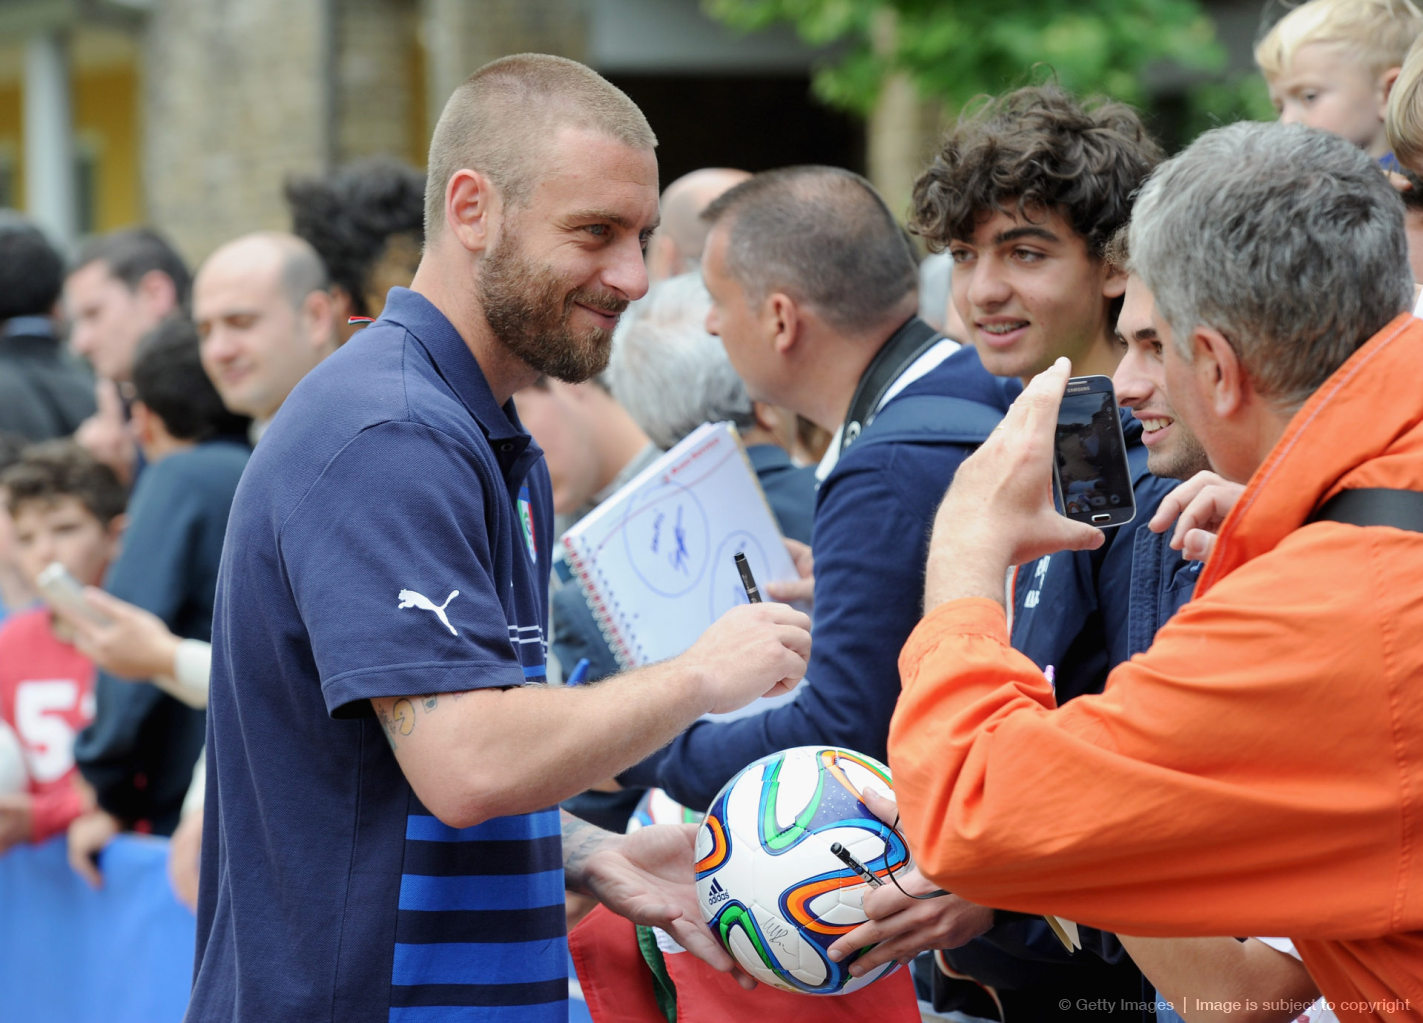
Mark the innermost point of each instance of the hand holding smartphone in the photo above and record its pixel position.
(1091, 478)
(64, 593)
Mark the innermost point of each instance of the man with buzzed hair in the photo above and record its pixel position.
(382, 776)
(265, 318)
(813, 294)
(676, 248)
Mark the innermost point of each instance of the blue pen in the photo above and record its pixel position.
(579, 674)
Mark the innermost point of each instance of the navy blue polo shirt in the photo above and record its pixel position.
(389, 538)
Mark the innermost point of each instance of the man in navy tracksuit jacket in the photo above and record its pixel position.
(872, 517)
(814, 296)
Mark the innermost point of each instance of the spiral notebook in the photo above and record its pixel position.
(654, 561)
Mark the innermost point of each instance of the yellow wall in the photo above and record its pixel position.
(10, 134)
(106, 124)
(106, 119)
(418, 139)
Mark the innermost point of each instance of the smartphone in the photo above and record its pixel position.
(63, 592)
(1091, 478)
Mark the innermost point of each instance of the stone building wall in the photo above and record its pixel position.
(236, 95)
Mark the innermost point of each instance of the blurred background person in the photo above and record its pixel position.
(43, 393)
(366, 222)
(672, 376)
(121, 286)
(16, 590)
(676, 248)
(67, 508)
(138, 754)
(265, 319)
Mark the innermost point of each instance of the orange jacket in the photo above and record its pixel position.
(1258, 771)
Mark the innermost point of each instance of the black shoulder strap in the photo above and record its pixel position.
(913, 338)
(934, 419)
(1374, 506)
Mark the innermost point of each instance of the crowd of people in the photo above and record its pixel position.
(325, 641)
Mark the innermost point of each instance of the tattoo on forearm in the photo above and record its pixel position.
(401, 719)
(387, 727)
(580, 840)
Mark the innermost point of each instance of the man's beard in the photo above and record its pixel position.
(1184, 461)
(528, 311)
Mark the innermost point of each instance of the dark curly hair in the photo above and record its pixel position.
(351, 216)
(51, 470)
(1033, 150)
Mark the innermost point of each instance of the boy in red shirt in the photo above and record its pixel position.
(67, 508)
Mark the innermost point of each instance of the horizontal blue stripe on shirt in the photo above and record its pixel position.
(515, 962)
(421, 828)
(481, 891)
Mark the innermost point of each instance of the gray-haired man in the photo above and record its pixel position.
(1258, 770)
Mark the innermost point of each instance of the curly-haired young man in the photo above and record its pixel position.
(1025, 193)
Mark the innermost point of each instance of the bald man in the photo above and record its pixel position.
(676, 248)
(265, 318)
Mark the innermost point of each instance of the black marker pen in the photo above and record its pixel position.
(747, 579)
(844, 856)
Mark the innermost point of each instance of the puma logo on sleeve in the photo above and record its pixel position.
(409, 598)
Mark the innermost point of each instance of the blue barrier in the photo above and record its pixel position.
(123, 954)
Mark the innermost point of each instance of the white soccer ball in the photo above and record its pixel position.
(14, 776)
(769, 886)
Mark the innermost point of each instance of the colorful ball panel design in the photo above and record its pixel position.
(769, 886)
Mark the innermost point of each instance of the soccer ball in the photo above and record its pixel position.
(770, 888)
(14, 777)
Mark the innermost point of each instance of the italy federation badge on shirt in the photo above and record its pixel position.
(526, 522)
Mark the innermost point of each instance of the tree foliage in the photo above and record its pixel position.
(953, 50)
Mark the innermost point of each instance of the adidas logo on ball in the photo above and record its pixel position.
(772, 889)
(716, 893)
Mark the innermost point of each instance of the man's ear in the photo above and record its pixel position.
(318, 320)
(472, 209)
(782, 320)
(157, 292)
(1114, 284)
(1218, 368)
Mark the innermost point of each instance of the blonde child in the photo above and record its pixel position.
(1331, 64)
